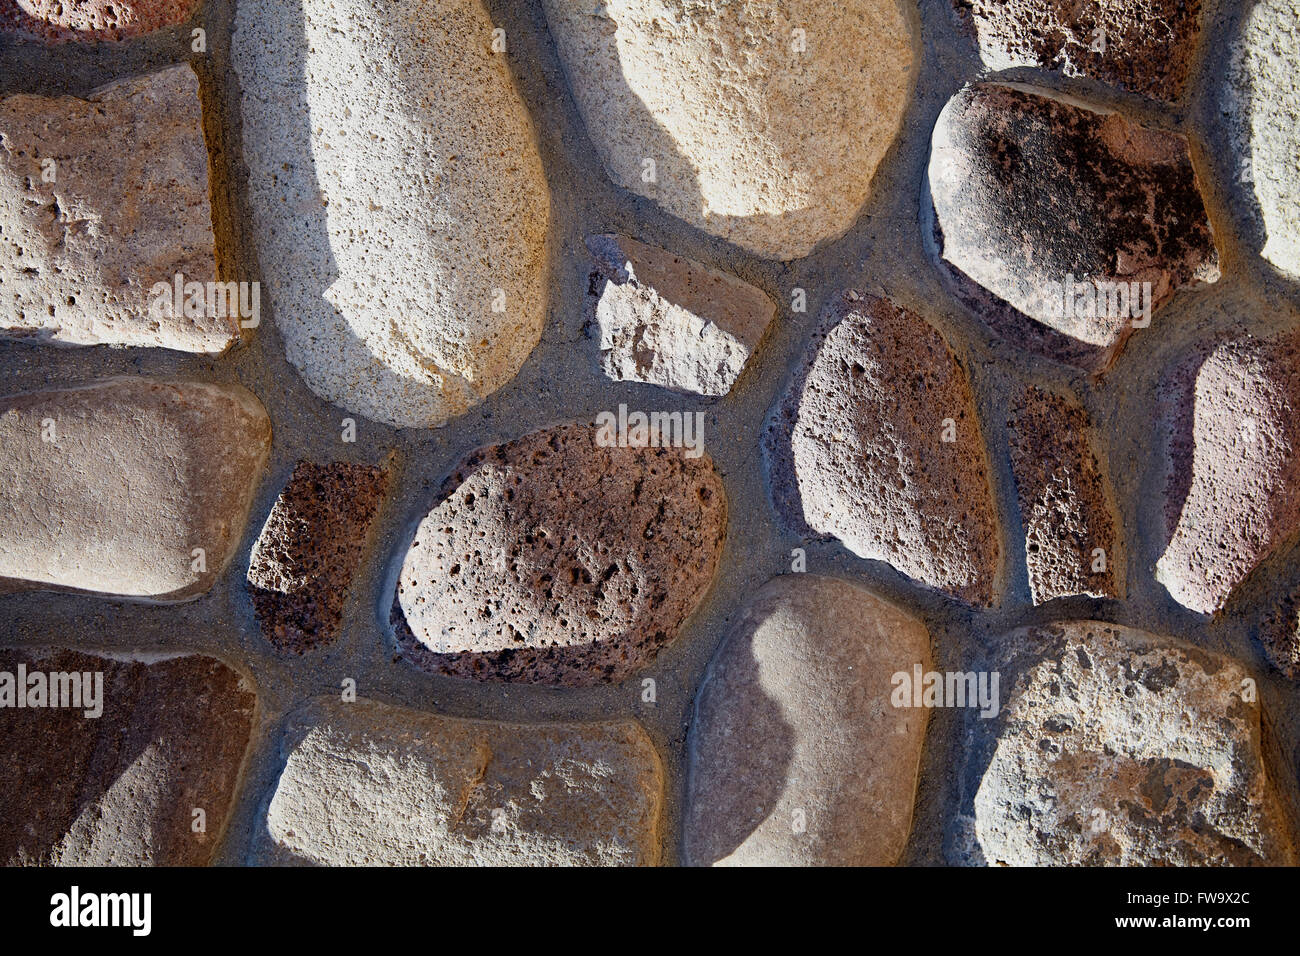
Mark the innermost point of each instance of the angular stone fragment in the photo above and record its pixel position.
(1110, 40)
(673, 321)
(127, 487)
(102, 199)
(759, 122)
(368, 784)
(1261, 100)
(120, 788)
(303, 562)
(877, 443)
(797, 754)
(398, 198)
(1065, 499)
(1124, 749)
(1063, 227)
(57, 21)
(560, 559)
(1232, 493)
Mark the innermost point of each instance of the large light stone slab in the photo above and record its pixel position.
(759, 122)
(398, 201)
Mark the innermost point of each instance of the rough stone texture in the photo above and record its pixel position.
(797, 755)
(1279, 634)
(58, 21)
(1145, 46)
(554, 559)
(1065, 499)
(139, 473)
(398, 199)
(1232, 493)
(856, 449)
(1261, 98)
(128, 208)
(769, 148)
(121, 789)
(369, 784)
(1029, 188)
(673, 321)
(302, 564)
(1121, 748)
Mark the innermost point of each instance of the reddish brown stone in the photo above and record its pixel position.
(58, 21)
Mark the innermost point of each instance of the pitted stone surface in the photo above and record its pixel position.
(1145, 46)
(91, 20)
(1261, 98)
(555, 559)
(1280, 636)
(302, 565)
(127, 208)
(797, 755)
(121, 789)
(1065, 499)
(398, 200)
(1232, 494)
(110, 487)
(1120, 748)
(1032, 192)
(672, 321)
(856, 450)
(368, 784)
(750, 139)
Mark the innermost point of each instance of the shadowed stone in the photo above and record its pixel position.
(111, 487)
(557, 559)
(121, 789)
(368, 784)
(1124, 749)
(672, 321)
(876, 443)
(797, 755)
(57, 21)
(1062, 227)
(1279, 635)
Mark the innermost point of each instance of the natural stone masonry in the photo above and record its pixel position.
(1121, 748)
(58, 21)
(1065, 499)
(1280, 636)
(123, 788)
(1145, 46)
(558, 559)
(672, 321)
(1261, 98)
(1232, 494)
(302, 565)
(877, 443)
(1032, 193)
(100, 200)
(366, 784)
(399, 203)
(713, 111)
(110, 487)
(797, 755)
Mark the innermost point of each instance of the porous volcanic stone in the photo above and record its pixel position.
(302, 564)
(797, 755)
(1065, 499)
(1145, 46)
(672, 321)
(1280, 636)
(110, 487)
(398, 199)
(1030, 191)
(1121, 748)
(856, 449)
(127, 208)
(57, 21)
(752, 138)
(1232, 494)
(556, 559)
(1260, 97)
(121, 789)
(366, 784)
